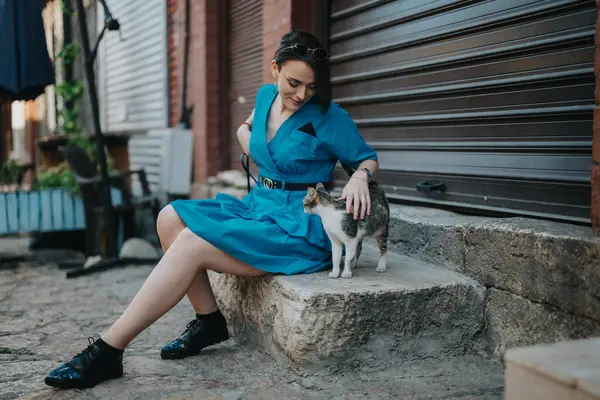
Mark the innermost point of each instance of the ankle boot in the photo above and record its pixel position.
(199, 333)
(97, 363)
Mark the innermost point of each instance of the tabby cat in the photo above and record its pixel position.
(344, 230)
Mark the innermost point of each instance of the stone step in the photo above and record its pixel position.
(564, 370)
(540, 276)
(413, 310)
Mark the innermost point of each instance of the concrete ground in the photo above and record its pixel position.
(45, 319)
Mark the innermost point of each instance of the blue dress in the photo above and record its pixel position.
(268, 228)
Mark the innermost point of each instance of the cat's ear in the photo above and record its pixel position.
(320, 186)
(311, 192)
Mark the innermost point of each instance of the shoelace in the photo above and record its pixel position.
(86, 353)
(193, 324)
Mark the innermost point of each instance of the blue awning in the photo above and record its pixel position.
(25, 67)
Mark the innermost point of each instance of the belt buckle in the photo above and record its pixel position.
(268, 183)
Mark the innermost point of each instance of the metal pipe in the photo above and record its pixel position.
(100, 142)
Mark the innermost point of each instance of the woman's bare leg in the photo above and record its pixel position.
(200, 292)
(170, 280)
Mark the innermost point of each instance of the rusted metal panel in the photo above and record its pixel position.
(245, 63)
(595, 211)
(596, 198)
(492, 99)
(5, 130)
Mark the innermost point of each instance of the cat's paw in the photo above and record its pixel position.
(334, 274)
(381, 265)
(347, 274)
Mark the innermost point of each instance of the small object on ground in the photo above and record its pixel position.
(138, 249)
(92, 260)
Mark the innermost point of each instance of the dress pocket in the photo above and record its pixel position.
(305, 140)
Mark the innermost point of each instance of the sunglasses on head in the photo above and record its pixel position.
(319, 54)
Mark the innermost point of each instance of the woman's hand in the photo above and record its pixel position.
(356, 194)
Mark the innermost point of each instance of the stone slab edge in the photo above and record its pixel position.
(334, 330)
(546, 262)
(513, 321)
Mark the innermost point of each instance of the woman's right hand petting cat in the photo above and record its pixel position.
(344, 230)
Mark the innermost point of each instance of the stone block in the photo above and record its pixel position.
(546, 262)
(429, 234)
(566, 370)
(413, 310)
(514, 321)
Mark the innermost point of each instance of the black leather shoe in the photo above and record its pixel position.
(198, 335)
(88, 368)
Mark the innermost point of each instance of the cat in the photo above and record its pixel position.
(344, 231)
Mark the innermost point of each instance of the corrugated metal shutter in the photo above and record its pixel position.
(493, 99)
(246, 65)
(133, 72)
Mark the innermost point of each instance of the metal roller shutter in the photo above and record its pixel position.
(493, 99)
(245, 61)
(133, 73)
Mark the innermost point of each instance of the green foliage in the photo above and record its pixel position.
(59, 176)
(10, 171)
(71, 93)
(69, 53)
(66, 10)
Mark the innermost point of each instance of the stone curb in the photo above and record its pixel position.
(543, 261)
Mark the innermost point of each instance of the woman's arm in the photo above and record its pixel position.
(356, 191)
(371, 165)
(243, 134)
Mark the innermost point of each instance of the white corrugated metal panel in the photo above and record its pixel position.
(133, 73)
(166, 156)
(145, 152)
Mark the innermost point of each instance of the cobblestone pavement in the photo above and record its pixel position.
(45, 319)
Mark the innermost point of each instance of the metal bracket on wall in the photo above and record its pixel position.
(431, 187)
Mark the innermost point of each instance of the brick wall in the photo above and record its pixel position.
(207, 77)
(172, 26)
(279, 16)
(596, 137)
(277, 20)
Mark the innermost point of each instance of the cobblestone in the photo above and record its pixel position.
(45, 319)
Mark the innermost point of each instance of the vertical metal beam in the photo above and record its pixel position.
(112, 250)
(224, 134)
(595, 200)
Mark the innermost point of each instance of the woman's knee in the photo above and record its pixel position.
(168, 223)
(194, 246)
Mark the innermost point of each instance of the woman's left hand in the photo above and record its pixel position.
(356, 194)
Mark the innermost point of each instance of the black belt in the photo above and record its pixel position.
(273, 184)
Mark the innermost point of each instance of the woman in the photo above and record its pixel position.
(295, 135)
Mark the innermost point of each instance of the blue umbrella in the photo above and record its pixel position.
(25, 67)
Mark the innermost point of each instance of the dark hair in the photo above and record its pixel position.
(320, 68)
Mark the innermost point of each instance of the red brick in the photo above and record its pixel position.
(277, 20)
(207, 81)
(597, 73)
(596, 136)
(596, 198)
(206, 86)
